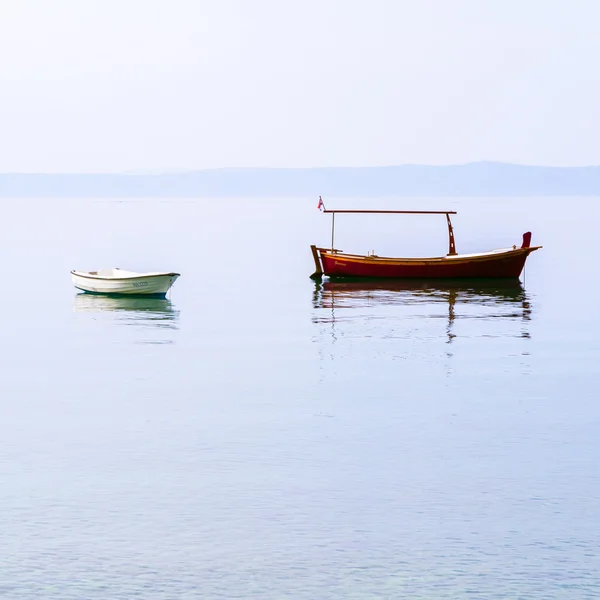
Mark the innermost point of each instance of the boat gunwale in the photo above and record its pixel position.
(125, 278)
(453, 259)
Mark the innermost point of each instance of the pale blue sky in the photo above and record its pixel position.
(119, 85)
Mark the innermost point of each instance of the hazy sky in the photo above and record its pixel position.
(119, 85)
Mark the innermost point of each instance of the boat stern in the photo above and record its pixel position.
(318, 274)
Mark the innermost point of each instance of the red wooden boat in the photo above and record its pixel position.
(506, 262)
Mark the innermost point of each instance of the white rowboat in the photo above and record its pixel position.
(117, 282)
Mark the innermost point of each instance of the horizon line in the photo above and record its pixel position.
(183, 171)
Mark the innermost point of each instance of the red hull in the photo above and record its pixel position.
(507, 263)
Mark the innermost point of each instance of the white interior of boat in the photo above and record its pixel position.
(475, 254)
(116, 273)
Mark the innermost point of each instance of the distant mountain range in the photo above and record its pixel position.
(473, 179)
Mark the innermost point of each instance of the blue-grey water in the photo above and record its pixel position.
(257, 435)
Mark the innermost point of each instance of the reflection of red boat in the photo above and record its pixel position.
(502, 290)
(508, 262)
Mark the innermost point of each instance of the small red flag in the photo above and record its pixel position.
(321, 204)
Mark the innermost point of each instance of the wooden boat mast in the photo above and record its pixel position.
(452, 244)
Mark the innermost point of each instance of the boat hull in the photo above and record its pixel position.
(497, 264)
(147, 286)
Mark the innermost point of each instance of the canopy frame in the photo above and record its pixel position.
(451, 244)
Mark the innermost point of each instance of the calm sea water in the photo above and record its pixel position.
(258, 435)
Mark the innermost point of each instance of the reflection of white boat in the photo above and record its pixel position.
(153, 318)
(117, 282)
(146, 306)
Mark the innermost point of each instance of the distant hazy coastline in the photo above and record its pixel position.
(473, 179)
